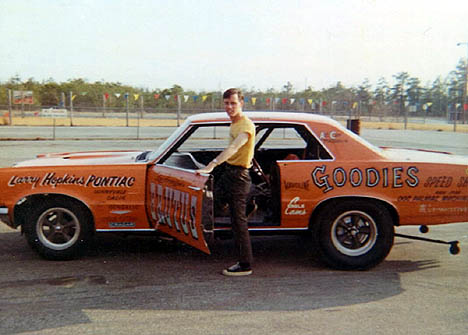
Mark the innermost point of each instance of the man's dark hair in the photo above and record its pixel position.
(227, 94)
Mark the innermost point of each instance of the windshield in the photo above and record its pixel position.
(163, 147)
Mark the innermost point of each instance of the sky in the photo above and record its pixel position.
(205, 45)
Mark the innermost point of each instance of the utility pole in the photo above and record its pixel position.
(465, 89)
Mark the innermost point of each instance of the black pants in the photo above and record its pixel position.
(232, 187)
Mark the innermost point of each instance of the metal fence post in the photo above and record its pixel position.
(9, 107)
(71, 108)
(126, 106)
(179, 107)
(138, 126)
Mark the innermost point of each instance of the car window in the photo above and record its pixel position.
(205, 137)
(281, 138)
(292, 140)
(197, 147)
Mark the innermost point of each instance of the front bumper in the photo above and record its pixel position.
(4, 217)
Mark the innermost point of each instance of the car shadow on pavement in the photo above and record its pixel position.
(145, 273)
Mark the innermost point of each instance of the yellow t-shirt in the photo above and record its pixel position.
(243, 156)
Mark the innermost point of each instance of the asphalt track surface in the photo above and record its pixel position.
(142, 285)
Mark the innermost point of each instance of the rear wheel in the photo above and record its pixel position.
(58, 229)
(353, 234)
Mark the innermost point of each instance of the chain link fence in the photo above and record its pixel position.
(385, 118)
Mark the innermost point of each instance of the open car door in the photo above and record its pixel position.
(180, 204)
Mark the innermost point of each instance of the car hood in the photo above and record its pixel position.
(82, 158)
(423, 156)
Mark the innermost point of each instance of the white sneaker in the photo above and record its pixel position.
(237, 270)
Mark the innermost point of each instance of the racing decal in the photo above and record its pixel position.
(295, 208)
(439, 181)
(445, 182)
(122, 224)
(439, 196)
(331, 136)
(51, 179)
(303, 185)
(111, 181)
(428, 209)
(395, 177)
(113, 194)
(19, 180)
(123, 207)
(463, 181)
(174, 208)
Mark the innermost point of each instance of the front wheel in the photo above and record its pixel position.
(353, 234)
(58, 229)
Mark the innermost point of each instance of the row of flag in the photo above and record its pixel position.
(203, 98)
(314, 103)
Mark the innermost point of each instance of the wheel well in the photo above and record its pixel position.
(23, 207)
(324, 204)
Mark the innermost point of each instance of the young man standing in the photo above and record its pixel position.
(234, 184)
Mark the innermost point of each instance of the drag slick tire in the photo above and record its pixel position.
(353, 234)
(59, 229)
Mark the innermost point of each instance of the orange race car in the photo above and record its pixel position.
(310, 175)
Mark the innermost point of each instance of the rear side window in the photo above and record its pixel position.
(297, 138)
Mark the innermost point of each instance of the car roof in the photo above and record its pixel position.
(265, 116)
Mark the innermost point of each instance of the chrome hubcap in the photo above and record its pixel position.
(58, 228)
(354, 233)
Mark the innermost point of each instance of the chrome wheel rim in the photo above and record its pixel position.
(58, 228)
(354, 233)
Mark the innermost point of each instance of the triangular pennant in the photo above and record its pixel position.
(106, 96)
(204, 98)
(310, 101)
(156, 96)
(292, 100)
(167, 97)
(73, 97)
(186, 98)
(195, 97)
(117, 95)
(254, 100)
(136, 96)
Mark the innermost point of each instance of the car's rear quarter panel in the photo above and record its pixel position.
(420, 193)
